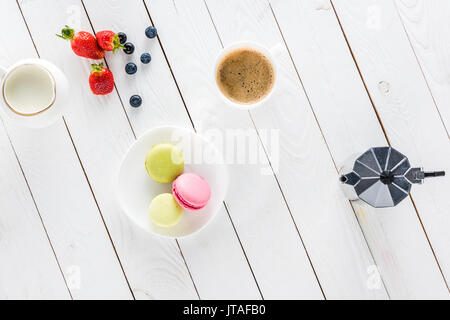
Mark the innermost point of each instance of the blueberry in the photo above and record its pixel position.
(135, 101)
(130, 68)
(129, 48)
(122, 37)
(146, 58)
(151, 32)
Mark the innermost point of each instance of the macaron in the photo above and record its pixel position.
(164, 162)
(191, 191)
(164, 210)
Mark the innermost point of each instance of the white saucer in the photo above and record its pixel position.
(135, 189)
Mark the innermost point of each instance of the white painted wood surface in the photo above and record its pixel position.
(287, 233)
(338, 252)
(406, 108)
(163, 105)
(23, 240)
(276, 254)
(29, 269)
(61, 193)
(428, 36)
(312, 31)
(102, 134)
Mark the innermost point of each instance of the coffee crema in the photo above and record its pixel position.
(245, 75)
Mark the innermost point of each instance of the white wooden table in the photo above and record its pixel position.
(353, 74)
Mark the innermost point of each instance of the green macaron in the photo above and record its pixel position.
(164, 162)
(165, 211)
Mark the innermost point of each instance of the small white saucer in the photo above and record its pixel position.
(135, 189)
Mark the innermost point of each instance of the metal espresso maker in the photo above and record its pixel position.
(381, 177)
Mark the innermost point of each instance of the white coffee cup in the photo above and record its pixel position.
(269, 53)
(33, 92)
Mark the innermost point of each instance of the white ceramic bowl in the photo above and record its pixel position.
(135, 189)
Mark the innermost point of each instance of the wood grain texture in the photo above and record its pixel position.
(70, 214)
(293, 160)
(23, 240)
(286, 230)
(306, 171)
(215, 258)
(350, 126)
(254, 200)
(28, 268)
(101, 133)
(62, 194)
(405, 105)
(426, 25)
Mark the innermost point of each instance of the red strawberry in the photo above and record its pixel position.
(83, 43)
(101, 80)
(108, 40)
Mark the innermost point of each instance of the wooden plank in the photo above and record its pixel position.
(62, 194)
(260, 215)
(406, 108)
(28, 268)
(23, 240)
(102, 134)
(331, 234)
(219, 278)
(425, 24)
(350, 126)
(70, 214)
(326, 245)
(217, 264)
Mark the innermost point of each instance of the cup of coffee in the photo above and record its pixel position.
(32, 92)
(245, 75)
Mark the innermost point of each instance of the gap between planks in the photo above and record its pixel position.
(420, 67)
(98, 208)
(242, 247)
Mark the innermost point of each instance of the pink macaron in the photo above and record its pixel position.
(191, 191)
